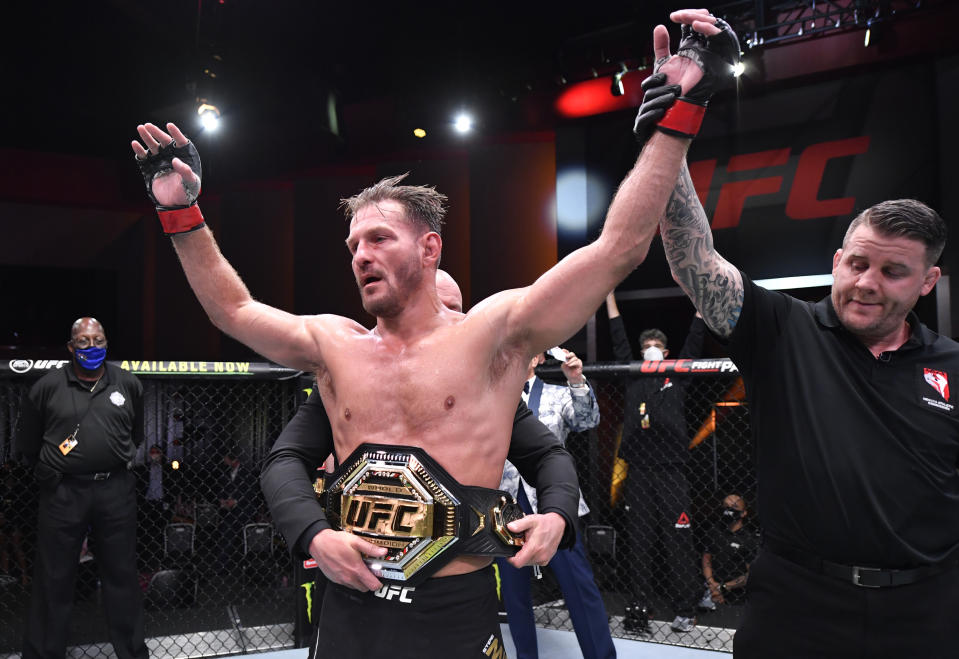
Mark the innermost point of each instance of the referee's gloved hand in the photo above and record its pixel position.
(171, 170)
(658, 98)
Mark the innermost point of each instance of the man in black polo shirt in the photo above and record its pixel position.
(80, 427)
(729, 549)
(856, 434)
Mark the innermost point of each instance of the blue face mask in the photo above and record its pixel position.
(90, 358)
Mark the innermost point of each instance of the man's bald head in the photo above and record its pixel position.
(449, 291)
(86, 325)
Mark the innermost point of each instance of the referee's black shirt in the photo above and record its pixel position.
(109, 433)
(857, 456)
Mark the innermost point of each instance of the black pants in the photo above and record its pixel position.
(108, 508)
(442, 617)
(795, 613)
(658, 500)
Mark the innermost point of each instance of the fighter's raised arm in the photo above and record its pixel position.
(713, 284)
(561, 301)
(171, 170)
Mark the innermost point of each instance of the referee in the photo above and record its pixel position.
(80, 427)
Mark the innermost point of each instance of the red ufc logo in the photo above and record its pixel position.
(803, 202)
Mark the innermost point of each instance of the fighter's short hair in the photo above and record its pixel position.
(423, 204)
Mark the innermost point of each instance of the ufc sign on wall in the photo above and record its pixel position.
(782, 174)
(802, 178)
(782, 170)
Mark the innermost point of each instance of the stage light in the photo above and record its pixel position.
(463, 123)
(209, 116)
(419, 132)
(175, 464)
(738, 69)
(868, 38)
(616, 88)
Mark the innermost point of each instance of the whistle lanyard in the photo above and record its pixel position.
(76, 413)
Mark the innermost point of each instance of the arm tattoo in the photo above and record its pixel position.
(712, 283)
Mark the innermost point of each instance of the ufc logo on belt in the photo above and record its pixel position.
(387, 517)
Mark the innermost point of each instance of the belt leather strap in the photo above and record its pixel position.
(866, 577)
(96, 476)
(398, 497)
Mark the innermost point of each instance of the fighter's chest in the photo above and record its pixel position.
(415, 387)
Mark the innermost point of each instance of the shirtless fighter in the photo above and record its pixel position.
(392, 394)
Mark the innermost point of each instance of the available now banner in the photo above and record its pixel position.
(24, 366)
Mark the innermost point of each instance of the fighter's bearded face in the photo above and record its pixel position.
(387, 261)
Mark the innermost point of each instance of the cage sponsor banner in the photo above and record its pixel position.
(24, 366)
(688, 366)
(670, 367)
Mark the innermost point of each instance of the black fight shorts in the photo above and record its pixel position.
(443, 617)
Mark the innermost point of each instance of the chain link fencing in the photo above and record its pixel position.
(672, 442)
(215, 575)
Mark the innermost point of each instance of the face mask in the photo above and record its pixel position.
(653, 354)
(731, 515)
(90, 358)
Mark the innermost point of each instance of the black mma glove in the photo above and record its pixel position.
(182, 218)
(659, 97)
(715, 55)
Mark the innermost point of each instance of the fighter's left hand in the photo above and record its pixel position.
(572, 368)
(543, 535)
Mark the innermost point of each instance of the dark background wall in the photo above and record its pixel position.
(781, 168)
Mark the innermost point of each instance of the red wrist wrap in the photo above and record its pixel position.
(683, 119)
(181, 220)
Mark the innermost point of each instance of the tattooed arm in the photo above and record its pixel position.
(713, 284)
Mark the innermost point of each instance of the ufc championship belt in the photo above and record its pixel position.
(398, 497)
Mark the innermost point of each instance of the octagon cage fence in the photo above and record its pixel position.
(220, 580)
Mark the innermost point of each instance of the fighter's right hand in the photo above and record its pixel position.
(340, 557)
(171, 170)
(702, 65)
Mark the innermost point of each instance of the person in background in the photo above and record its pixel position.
(562, 409)
(730, 548)
(655, 445)
(80, 427)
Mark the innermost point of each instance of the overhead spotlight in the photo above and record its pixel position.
(175, 464)
(738, 69)
(419, 132)
(209, 116)
(463, 123)
(616, 87)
